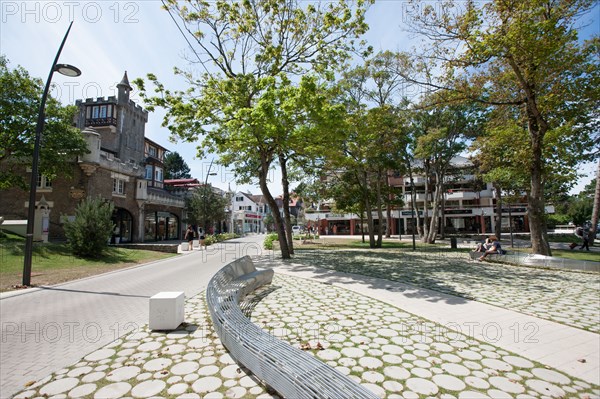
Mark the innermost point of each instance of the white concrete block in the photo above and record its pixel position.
(166, 310)
(185, 246)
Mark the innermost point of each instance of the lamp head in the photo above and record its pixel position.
(67, 70)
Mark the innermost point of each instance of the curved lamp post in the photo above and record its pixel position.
(205, 199)
(67, 70)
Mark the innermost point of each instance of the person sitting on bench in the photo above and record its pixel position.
(484, 246)
(495, 248)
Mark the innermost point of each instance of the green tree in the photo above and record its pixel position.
(440, 133)
(19, 103)
(207, 208)
(176, 167)
(89, 233)
(374, 139)
(248, 49)
(525, 56)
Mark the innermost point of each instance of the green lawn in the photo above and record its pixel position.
(421, 247)
(54, 263)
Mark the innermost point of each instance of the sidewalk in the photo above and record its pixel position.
(555, 345)
(366, 330)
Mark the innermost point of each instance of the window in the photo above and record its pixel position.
(43, 182)
(158, 174)
(239, 199)
(118, 186)
(148, 172)
(101, 111)
(152, 151)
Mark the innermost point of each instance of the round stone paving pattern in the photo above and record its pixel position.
(191, 362)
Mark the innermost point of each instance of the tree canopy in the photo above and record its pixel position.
(176, 167)
(19, 105)
(249, 50)
(524, 59)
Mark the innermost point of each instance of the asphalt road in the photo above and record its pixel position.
(46, 329)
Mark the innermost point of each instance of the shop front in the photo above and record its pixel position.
(160, 226)
(123, 221)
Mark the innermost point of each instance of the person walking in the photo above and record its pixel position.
(201, 238)
(585, 237)
(189, 237)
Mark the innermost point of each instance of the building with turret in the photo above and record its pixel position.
(123, 167)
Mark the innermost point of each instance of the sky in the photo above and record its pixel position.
(110, 37)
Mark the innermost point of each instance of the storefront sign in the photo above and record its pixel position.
(458, 211)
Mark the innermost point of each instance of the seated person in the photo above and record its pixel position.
(495, 248)
(484, 246)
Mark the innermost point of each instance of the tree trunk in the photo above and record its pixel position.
(362, 223)
(425, 235)
(388, 210)
(535, 198)
(498, 216)
(285, 183)
(596, 209)
(368, 209)
(537, 128)
(433, 223)
(262, 180)
(415, 209)
(443, 215)
(379, 210)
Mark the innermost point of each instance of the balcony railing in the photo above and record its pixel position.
(101, 122)
(165, 199)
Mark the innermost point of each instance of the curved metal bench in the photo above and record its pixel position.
(290, 371)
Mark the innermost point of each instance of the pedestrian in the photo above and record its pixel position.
(189, 237)
(585, 237)
(202, 238)
(495, 248)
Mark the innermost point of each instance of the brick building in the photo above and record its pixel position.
(123, 167)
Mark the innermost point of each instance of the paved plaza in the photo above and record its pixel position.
(566, 297)
(391, 337)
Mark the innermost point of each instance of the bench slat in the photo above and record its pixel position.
(290, 371)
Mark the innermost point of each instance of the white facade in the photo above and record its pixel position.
(248, 213)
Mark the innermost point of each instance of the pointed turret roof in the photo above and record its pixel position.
(125, 82)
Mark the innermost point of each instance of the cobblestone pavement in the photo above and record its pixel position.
(393, 353)
(566, 297)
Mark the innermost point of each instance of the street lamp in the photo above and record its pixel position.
(67, 70)
(206, 194)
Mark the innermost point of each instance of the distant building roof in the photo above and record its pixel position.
(182, 182)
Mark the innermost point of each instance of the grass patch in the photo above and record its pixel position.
(54, 263)
(333, 243)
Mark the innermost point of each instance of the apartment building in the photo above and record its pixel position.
(467, 208)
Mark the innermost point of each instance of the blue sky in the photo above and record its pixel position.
(110, 37)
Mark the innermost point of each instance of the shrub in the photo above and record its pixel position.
(210, 239)
(89, 233)
(268, 244)
(215, 238)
